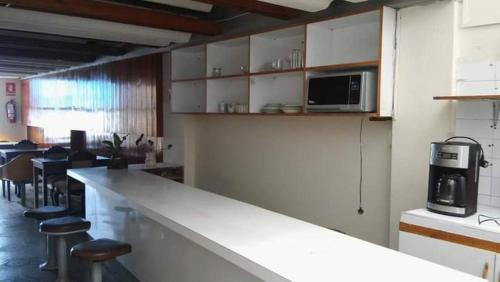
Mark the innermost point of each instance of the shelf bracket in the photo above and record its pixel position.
(496, 111)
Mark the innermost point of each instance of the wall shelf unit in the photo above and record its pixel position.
(248, 75)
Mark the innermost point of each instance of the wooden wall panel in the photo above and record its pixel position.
(123, 97)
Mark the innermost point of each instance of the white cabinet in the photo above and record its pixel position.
(474, 261)
(477, 71)
(479, 78)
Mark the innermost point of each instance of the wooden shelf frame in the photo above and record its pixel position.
(468, 97)
(383, 61)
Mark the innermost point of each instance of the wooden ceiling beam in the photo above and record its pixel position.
(119, 13)
(254, 6)
(9, 41)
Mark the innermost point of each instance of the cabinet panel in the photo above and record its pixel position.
(343, 40)
(477, 87)
(476, 71)
(463, 258)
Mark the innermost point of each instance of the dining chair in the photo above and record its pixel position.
(19, 171)
(25, 144)
(80, 159)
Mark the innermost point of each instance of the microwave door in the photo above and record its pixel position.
(329, 91)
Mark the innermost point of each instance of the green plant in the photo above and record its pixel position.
(148, 145)
(115, 146)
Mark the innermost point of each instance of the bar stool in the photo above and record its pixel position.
(44, 213)
(61, 227)
(97, 251)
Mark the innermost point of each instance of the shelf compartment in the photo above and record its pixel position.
(344, 40)
(229, 90)
(283, 88)
(188, 63)
(188, 96)
(278, 44)
(229, 55)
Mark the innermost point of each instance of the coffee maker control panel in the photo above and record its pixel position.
(453, 156)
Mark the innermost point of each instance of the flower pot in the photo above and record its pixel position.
(150, 159)
(118, 163)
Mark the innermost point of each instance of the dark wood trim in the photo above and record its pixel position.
(276, 71)
(270, 114)
(450, 237)
(376, 117)
(158, 69)
(374, 64)
(189, 79)
(119, 13)
(257, 7)
(468, 97)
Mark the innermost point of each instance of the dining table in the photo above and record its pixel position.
(44, 167)
(8, 154)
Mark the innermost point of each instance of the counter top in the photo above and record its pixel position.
(271, 246)
(466, 226)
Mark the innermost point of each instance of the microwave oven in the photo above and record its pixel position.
(343, 92)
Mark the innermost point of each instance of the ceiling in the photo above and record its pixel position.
(43, 36)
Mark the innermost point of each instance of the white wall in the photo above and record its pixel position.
(173, 124)
(478, 46)
(11, 131)
(305, 167)
(424, 69)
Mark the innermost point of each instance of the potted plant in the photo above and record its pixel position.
(148, 146)
(118, 161)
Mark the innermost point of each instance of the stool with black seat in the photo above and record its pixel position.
(61, 227)
(98, 251)
(44, 213)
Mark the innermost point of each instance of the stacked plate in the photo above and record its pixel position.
(272, 108)
(291, 109)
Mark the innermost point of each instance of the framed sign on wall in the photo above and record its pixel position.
(10, 89)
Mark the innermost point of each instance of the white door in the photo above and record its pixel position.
(474, 261)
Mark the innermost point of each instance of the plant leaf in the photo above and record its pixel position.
(108, 143)
(116, 140)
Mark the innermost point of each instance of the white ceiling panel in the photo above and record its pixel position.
(304, 5)
(24, 20)
(188, 4)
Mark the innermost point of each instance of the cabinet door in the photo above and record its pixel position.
(474, 261)
(477, 71)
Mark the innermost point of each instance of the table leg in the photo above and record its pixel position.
(35, 186)
(44, 190)
(68, 193)
(3, 188)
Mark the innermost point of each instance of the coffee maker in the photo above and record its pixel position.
(454, 177)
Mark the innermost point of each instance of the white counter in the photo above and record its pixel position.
(270, 246)
(467, 226)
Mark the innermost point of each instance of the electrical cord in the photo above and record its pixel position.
(360, 209)
(482, 161)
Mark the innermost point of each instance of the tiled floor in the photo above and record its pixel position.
(22, 248)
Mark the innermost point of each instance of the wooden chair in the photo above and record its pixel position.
(80, 159)
(19, 171)
(25, 144)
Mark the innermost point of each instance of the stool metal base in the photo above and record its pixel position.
(51, 263)
(96, 272)
(62, 260)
